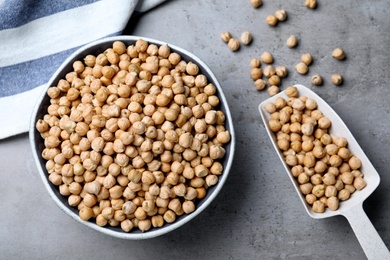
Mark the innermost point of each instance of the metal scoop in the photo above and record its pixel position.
(352, 208)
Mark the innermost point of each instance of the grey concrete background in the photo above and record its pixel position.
(257, 215)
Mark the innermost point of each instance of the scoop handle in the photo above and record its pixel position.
(369, 239)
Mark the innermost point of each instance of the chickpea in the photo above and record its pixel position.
(318, 207)
(311, 4)
(302, 68)
(226, 36)
(281, 15)
(271, 20)
(256, 3)
(359, 183)
(256, 73)
(266, 57)
(338, 54)
(344, 194)
(260, 84)
(292, 41)
(316, 80)
(246, 37)
(273, 90)
(354, 163)
(234, 44)
(337, 79)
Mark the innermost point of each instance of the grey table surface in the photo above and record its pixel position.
(257, 215)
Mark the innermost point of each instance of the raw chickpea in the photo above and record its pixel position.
(329, 179)
(344, 153)
(188, 206)
(318, 206)
(303, 178)
(306, 188)
(311, 4)
(246, 37)
(316, 80)
(302, 68)
(281, 15)
(335, 160)
(169, 216)
(354, 163)
(359, 183)
(324, 123)
(273, 90)
(332, 203)
(283, 144)
(269, 71)
(266, 57)
(255, 63)
(256, 3)
(271, 20)
(291, 160)
(234, 44)
(339, 185)
(310, 198)
(260, 84)
(344, 194)
(306, 58)
(274, 80)
(226, 36)
(338, 54)
(292, 41)
(337, 79)
(281, 71)
(256, 73)
(291, 91)
(330, 191)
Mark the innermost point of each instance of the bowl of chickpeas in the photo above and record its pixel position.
(133, 137)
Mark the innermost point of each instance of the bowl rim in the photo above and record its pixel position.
(166, 228)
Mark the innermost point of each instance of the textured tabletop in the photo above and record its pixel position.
(257, 215)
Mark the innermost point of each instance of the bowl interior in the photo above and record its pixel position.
(38, 144)
(338, 128)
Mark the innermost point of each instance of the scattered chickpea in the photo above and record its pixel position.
(226, 36)
(260, 84)
(292, 41)
(306, 58)
(266, 57)
(273, 90)
(316, 80)
(311, 4)
(302, 68)
(281, 15)
(255, 63)
(271, 20)
(256, 3)
(246, 37)
(281, 71)
(337, 79)
(234, 44)
(338, 54)
(256, 73)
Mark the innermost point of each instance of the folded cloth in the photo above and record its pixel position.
(36, 36)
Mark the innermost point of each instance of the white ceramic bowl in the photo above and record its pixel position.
(37, 143)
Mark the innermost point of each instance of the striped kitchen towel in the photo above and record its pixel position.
(37, 35)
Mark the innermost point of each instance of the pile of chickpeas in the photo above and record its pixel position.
(134, 136)
(323, 166)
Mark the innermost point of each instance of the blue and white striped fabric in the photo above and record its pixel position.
(37, 35)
